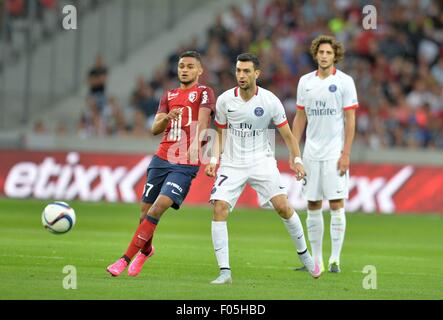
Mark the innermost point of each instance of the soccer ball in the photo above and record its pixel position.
(58, 217)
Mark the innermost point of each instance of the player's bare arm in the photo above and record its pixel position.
(204, 115)
(299, 125)
(294, 151)
(162, 119)
(217, 149)
(344, 161)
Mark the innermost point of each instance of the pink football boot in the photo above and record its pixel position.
(316, 273)
(137, 264)
(117, 267)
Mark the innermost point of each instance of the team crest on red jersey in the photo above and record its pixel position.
(192, 96)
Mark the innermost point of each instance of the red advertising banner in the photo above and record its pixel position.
(384, 188)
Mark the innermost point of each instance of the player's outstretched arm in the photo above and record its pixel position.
(217, 149)
(162, 119)
(344, 161)
(295, 162)
(299, 125)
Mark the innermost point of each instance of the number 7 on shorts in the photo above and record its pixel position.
(223, 179)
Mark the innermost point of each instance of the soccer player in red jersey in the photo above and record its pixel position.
(183, 114)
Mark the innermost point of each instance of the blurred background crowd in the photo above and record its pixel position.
(397, 67)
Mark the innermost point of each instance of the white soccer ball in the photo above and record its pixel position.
(58, 217)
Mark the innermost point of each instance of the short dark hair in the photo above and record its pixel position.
(245, 57)
(191, 54)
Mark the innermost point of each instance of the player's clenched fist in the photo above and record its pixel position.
(210, 170)
(343, 164)
(296, 165)
(299, 170)
(174, 114)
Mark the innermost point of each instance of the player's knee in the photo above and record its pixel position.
(314, 205)
(284, 210)
(336, 204)
(157, 210)
(221, 211)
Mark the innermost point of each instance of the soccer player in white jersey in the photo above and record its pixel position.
(326, 101)
(246, 112)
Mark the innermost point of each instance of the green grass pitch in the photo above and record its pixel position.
(407, 252)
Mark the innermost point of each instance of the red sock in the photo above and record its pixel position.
(143, 234)
(148, 247)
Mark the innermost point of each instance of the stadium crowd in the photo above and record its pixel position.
(397, 67)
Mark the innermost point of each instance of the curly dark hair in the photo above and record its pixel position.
(339, 50)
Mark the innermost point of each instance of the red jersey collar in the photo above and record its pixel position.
(334, 71)
(190, 88)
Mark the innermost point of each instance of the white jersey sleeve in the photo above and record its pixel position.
(350, 100)
(279, 115)
(300, 97)
(220, 112)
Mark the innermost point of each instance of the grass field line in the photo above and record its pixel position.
(423, 274)
(33, 257)
(247, 265)
(397, 257)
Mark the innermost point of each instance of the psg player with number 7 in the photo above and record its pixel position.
(245, 112)
(183, 114)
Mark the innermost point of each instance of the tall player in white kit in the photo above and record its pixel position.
(326, 101)
(247, 157)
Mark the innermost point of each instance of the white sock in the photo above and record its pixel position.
(315, 226)
(295, 229)
(220, 242)
(338, 228)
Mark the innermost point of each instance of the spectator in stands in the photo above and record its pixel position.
(437, 70)
(114, 118)
(91, 121)
(143, 99)
(46, 13)
(218, 30)
(398, 67)
(97, 78)
(39, 127)
(61, 129)
(436, 132)
(158, 81)
(15, 8)
(140, 127)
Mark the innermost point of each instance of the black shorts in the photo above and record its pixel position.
(169, 179)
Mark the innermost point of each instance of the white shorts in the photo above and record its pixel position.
(323, 181)
(263, 176)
